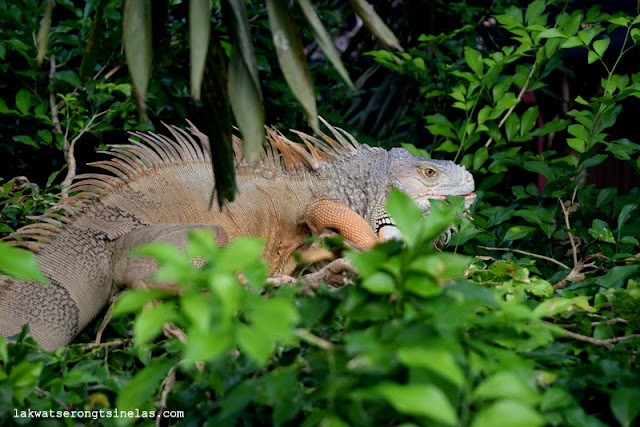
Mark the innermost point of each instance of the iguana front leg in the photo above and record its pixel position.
(136, 271)
(331, 214)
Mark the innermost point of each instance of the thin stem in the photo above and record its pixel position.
(555, 261)
(520, 95)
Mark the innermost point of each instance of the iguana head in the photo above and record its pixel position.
(423, 179)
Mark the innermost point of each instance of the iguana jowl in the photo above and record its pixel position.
(157, 190)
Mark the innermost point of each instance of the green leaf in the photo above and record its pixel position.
(579, 131)
(69, 77)
(205, 345)
(367, 262)
(324, 40)
(199, 30)
(137, 392)
(600, 46)
(435, 359)
(254, 343)
(196, 309)
(506, 384)
(554, 126)
(474, 60)
(423, 400)
(379, 283)
(479, 157)
(333, 421)
(553, 306)
(20, 263)
(94, 40)
(136, 33)
(422, 285)
(625, 405)
(577, 144)
(216, 117)
(595, 160)
(507, 101)
(149, 323)
(619, 20)
(134, 299)
(571, 42)
(441, 265)
(529, 120)
(534, 12)
(541, 168)
(23, 101)
(371, 19)
(406, 215)
(24, 377)
(245, 93)
(25, 139)
(625, 213)
(271, 319)
(291, 57)
(551, 33)
(512, 125)
(517, 232)
(600, 230)
(508, 413)
(42, 41)
(240, 253)
(616, 276)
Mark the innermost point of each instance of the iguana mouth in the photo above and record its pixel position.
(444, 196)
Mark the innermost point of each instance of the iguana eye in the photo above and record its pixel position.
(429, 172)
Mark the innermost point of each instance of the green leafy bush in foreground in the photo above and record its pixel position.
(424, 338)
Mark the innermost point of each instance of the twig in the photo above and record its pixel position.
(604, 322)
(52, 96)
(608, 343)
(518, 98)
(610, 321)
(167, 385)
(530, 254)
(112, 72)
(108, 344)
(575, 275)
(69, 150)
(47, 394)
(307, 336)
(568, 225)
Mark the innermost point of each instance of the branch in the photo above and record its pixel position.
(608, 343)
(310, 338)
(520, 95)
(573, 243)
(69, 156)
(52, 96)
(563, 265)
(610, 321)
(167, 385)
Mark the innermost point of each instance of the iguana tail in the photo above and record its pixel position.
(51, 312)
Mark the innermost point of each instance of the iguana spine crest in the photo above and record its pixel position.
(154, 151)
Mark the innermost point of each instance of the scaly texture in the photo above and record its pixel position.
(157, 188)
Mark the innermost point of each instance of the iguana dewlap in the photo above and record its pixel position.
(157, 189)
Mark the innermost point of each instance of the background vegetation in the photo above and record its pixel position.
(529, 317)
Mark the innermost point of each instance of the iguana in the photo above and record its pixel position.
(157, 189)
